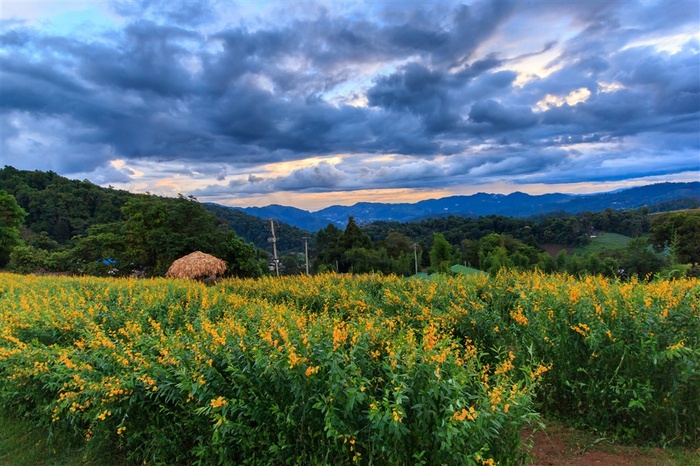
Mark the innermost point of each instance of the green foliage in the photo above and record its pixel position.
(11, 217)
(353, 238)
(397, 244)
(78, 227)
(640, 260)
(567, 230)
(329, 252)
(158, 230)
(257, 230)
(679, 231)
(244, 259)
(316, 370)
(440, 254)
(60, 207)
(27, 259)
(22, 444)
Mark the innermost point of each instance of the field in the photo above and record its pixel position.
(348, 369)
(604, 241)
(464, 270)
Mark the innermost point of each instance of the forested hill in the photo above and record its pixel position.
(61, 207)
(65, 208)
(52, 224)
(257, 230)
(674, 195)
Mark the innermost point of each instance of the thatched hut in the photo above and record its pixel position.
(197, 265)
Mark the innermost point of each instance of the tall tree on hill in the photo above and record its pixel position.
(638, 259)
(354, 237)
(441, 253)
(329, 250)
(145, 231)
(11, 217)
(355, 246)
(681, 232)
(397, 244)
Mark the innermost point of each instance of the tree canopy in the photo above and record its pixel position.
(11, 218)
(78, 227)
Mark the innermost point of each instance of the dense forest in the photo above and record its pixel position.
(668, 242)
(53, 224)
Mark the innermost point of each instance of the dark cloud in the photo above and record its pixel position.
(180, 81)
(502, 118)
(417, 90)
(322, 175)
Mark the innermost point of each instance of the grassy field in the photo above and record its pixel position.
(604, 241)
(461, 269)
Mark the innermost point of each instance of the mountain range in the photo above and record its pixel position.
(517, 204)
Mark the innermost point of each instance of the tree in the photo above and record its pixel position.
(26, 259)
(470, 252)
(681, 232)
(560, 260)
(329, 251)
(354, 237)
(243, 259)
(158, 231)
(293, 263)
(496, 260)
(545, 263)
(145, 231)
(397, 244)
(363, 260)
(638, 259)
(11, 217)
(102, 244)
(441, 253)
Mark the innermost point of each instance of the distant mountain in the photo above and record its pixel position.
(512, 205)
(291, 215)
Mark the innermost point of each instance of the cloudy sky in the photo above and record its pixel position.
(317, 103)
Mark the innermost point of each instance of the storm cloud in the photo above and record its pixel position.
(246, 100)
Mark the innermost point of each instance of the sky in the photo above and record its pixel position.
(317, 103)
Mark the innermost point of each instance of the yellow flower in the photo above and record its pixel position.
(218, 402)
(539, 371)
(518, 316)
(679, 345)
(340, 334)
(470, 414)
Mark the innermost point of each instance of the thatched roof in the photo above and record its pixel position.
(196, 265)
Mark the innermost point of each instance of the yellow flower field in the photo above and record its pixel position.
(335, 369)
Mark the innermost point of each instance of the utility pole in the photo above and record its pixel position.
(273, 240)
(415, 255)
(306, 252)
